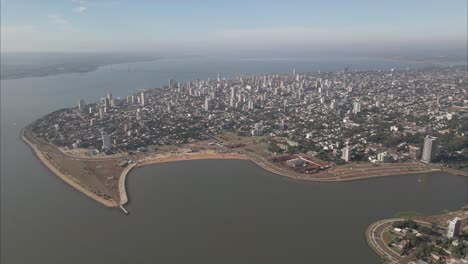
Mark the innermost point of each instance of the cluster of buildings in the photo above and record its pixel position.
(429, 245)
(339, 115)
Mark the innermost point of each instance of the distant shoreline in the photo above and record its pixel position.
(57, 71)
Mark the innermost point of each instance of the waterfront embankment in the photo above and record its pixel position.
(43, 157)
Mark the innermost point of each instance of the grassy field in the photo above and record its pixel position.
(388, 236)
(257, 145)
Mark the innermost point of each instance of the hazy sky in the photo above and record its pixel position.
(227, 25)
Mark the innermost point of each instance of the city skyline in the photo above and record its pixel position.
(211, 27)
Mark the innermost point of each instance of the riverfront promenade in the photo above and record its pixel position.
(103, 179)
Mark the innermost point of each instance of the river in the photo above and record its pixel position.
(206, 211)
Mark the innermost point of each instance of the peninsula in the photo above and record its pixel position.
(417, 239)
(333, 126)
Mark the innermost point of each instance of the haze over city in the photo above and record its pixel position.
(250, 28)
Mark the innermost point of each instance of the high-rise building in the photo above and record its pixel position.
(251, 105)
(81, 105)
(233, 92)
(106, 140)
(346, 156)
(357, 107)
(207, 104)
(172, 84)
(257, 130)
(101, 112)
(454, 227)
(109, 96)
(142, 98)
(428, 149)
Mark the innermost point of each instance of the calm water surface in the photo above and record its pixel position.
(196, 211)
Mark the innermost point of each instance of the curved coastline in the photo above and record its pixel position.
(267, 166)
(67, 179)
(375, 233)
(336, 174)
(169, 158)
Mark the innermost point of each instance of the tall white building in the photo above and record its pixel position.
(233, 92)
(142, 98)
(101, 112)
(357, 107)
(81, 105)
(346, 156)
(454, 227)
(251, 105)
(428, 149)
(207, 104)
(106, 141)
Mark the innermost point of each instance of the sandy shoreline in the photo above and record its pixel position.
(333, 175)
(67, 179)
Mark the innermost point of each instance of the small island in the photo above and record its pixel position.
(333, 126)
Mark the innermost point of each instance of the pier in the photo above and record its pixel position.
(124, 210)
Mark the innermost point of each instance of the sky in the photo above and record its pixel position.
(224, 26)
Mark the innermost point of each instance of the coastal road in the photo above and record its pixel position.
(374, 236)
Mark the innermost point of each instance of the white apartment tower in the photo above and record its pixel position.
(357, 107)
(81, 105)
(142, 98)
(346, 156)
(101, 113)
(106, 141)
(454, 227)
(428, 149)
(207, 104)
